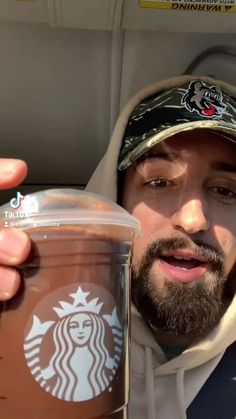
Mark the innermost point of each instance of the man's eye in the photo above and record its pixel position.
(224, 193)
(159, 183)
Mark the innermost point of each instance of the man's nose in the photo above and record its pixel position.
(191, 217)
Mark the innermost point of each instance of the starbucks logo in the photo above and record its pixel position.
(74, 354)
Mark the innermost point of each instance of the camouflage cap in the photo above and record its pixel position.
(193, 105)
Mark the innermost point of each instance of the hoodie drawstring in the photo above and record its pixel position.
(150, 394)
(180, 393)
(149, 383)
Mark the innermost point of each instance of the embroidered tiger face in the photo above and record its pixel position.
(207, 101)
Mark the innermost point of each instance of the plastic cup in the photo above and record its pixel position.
(64, 338)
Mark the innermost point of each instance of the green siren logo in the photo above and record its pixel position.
(75, 355)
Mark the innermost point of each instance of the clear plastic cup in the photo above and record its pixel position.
(64, 337)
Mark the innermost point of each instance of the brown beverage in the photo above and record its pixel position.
(64, 343)
(64, 338)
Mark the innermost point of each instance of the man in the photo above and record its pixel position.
(177, 174)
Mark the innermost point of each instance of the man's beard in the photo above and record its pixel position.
(180, 308)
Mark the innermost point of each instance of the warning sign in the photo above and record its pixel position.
(191, 5)
(28, 1)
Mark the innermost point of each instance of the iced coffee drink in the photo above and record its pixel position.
(64, 337)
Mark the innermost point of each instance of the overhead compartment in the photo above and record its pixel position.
(205, 16)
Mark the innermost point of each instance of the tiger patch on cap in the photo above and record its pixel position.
(206, 100)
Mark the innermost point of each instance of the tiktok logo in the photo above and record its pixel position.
(16, 202)
(22, 207)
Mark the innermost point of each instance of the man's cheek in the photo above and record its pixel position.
(139, 250)
(137, 253)
(227, 245)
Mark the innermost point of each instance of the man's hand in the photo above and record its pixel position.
(14, 244)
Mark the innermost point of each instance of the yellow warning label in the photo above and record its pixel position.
(191, 5)
(28, 1)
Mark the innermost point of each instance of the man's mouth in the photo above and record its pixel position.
(183, 266)
(181, 263)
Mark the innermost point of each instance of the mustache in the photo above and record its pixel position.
(210, 253)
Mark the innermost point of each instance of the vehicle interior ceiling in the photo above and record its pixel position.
(68, 67)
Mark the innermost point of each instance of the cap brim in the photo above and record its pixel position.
(145, 145)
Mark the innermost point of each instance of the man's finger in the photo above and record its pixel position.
(12, 172)
(14, 246)
(9, 282)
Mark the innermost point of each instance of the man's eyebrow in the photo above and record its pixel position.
(163, 155)
(223, 166)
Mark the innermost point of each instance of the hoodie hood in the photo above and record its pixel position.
(107, 168)
(186, 373)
